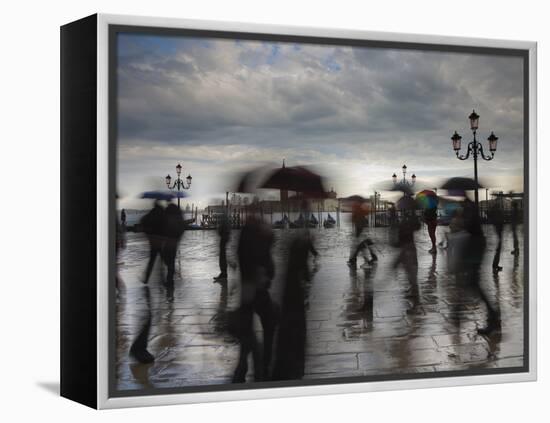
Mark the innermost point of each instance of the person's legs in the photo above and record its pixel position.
(360, 247)
(222, 260)
(138, 350)
(410, 262)
(493, 311)
(247, 344)
(432, 225)
(169, 256)
(153, 252)
(247, 341)
(263, 306)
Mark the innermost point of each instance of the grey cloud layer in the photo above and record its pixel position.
(375, 105)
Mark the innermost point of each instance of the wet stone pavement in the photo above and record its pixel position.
(359, 323)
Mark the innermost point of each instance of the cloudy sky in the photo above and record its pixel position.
(357, 114)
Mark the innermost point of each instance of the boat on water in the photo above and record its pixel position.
(302, 222)
(329, 222)
(282, 224)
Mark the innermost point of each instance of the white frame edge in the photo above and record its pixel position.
(103, 400)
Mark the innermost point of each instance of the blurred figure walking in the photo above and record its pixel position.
(430, 218)
(173, 227)
(360, 222)
(123, 217)
(472, 257)
(257, 271)
(138, 349)
(291, 342)
(407, 256)
(496, 218)
(224, 231)
(153, 226)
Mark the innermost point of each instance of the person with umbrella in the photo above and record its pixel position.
(471, 250)
(407, 256)
(257, 270)
(291, 342)
(173, 227)
(427, 200)
(153, 226)
(224, 231)
(359, 212)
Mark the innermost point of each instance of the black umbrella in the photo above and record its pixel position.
(162, 195)
(404, 187)
(406, 203)
(463, 183)
(296, 178)
(249, 181)
(457, 185)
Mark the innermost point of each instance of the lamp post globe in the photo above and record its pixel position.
(474, 121)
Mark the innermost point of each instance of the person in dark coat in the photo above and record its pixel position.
(173, 228)
(224, 231)
(257, 270)
(360, 222)
(153, 226)
(430, 218)
(473, 253)
(291, 342)
(407, 256)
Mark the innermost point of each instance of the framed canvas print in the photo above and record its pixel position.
(254, 211)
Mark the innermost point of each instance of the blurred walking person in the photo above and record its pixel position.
(360, 222)
(257, 271)
(291, 342)
(123, 217)
(472, 257)
(224, 231)
(496, 218)
(173, 227)
(430, 218)
(153, 226)
(407, 256)
(138, 349)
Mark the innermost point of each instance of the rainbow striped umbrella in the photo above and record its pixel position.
(427, 199)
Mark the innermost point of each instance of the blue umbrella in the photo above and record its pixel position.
(179, 194)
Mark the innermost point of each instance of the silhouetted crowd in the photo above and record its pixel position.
(280, 353)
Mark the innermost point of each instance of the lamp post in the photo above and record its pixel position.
(179, 185)
(475, 148)
(404, 180)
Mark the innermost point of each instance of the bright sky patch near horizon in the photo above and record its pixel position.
(220, 106)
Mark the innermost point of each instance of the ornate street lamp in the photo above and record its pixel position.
(404, 180)
(475, 148)
(179, 185)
